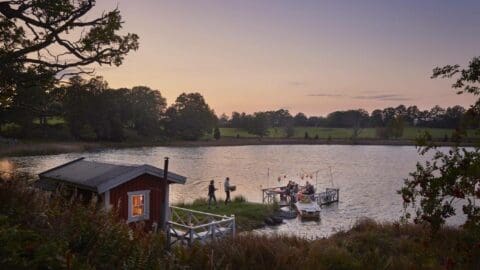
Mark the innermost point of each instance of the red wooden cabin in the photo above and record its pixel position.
(139, 191)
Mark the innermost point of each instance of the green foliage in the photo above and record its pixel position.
(216, 133)
(11, 130)
(190, 117)
(450, 178)
(289, 131)
(306, 136)
(258, 124)
(92, 107)
(145, 109)
(393, 129)
(239, 199)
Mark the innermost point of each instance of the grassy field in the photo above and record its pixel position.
(248, 215)
(51, 120)
(409, 133)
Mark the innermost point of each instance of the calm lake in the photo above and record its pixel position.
(368, 176)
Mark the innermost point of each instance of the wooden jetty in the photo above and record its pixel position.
(188, 226)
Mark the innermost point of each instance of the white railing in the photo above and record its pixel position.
(330, 195)
(188, 226)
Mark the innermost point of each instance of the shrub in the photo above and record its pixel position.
(289, 131)
(216, 133)
(11, 130)
(200, 201)
(239, 199)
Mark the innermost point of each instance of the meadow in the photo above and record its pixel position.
(409, 133)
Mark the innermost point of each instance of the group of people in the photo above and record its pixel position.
(212, 189)
(294, 191)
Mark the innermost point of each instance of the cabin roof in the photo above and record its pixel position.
(101, 176)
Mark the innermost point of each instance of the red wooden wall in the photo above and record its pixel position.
(119, 197)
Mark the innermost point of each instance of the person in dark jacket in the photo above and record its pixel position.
(211, 194)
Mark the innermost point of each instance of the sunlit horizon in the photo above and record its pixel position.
(312, 57)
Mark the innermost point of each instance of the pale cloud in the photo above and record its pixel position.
(297, 83)
(324, 95)
(380, 97)
(384, 97)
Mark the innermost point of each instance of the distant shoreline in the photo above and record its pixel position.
(34, 148)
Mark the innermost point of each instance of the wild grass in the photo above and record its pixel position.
(368, 245)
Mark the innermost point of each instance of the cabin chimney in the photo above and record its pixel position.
(165, 168)
(165, 214)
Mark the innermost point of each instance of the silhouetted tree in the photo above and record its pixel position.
(452, 177)
(300, 120)
(223, 121)
(216, 133)
(147, 110)
(53, 37)
(289, 129)
(258, 124)
(190, 117)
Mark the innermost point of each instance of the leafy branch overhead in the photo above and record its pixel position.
(437, 188)
(55, 34)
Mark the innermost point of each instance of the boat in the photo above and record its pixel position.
(308, 209)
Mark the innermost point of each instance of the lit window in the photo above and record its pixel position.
(138, 205)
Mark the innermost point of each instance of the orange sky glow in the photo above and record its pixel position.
(310, 56)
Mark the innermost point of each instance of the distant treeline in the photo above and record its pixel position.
(389, 120)
(91, 110)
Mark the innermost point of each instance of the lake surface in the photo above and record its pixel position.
(368, 176)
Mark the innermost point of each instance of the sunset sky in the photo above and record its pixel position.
(309, 56)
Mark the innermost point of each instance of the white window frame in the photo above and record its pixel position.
(146, 205)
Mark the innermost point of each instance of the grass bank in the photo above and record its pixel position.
(248, 215)
(368, 245)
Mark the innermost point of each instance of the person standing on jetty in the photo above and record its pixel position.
(211, 194)
(227, 190)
